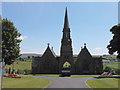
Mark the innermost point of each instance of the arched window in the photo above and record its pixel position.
(66, 64)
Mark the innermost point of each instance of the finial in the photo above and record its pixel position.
(48, 44)
(84, 44)
(81, 47)
(52, 48)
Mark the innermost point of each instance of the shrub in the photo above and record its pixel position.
(115, 71)
(107, 69)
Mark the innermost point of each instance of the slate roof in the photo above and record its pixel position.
(53, 52)
(84, 51)
(50, 51)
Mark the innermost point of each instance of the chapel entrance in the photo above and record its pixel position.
(86, 67)
(66, 69)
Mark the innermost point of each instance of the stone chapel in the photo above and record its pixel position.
(83, 63)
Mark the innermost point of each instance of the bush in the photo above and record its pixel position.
(18, 71)
(117, 71)
(26, 71)
(6, 70)
(107, 69)
(114, 71)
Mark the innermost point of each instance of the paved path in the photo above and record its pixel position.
(67, 82)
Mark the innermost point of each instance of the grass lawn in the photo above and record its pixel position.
(25, 82)
(103, 83)
(21, 65)
(112, 65)
(50, 75)
(82, 76)
(0, 81)
(72, 76)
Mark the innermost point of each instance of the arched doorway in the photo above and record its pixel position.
(66, 69)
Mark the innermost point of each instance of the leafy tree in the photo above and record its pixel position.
(10, 42)
(0, 38)
(114, 45)
(29, 57)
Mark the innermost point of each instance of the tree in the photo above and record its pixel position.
(114, 45)
(0, 39)
(29, 57)
(10, 42)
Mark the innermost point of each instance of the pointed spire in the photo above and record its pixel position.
(66, 23)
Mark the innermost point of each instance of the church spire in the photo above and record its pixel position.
(66, 23)
(66, 42)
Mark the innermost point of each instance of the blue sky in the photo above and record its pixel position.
(42, 22)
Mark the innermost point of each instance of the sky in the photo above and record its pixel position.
(42, 22)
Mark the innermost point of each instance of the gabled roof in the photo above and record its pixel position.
(53, 52)
(84, 51)
(49, 51)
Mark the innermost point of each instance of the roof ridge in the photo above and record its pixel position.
(53, 51)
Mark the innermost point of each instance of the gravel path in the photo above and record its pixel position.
(67, 82)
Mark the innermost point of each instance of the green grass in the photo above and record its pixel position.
(22, 65)
(103, 83)
(25, 82)
(82, 76)
(0, 81)
(111, 57)
(72, 76)
(50, 75)
(112, 65)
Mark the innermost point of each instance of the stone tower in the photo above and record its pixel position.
(66, 53)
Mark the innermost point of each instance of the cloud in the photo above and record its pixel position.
(22, 37)
(97, 49)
